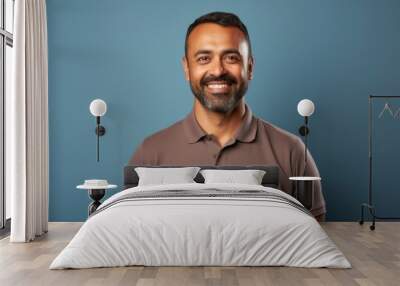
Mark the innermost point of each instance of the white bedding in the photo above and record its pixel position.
(181, 231)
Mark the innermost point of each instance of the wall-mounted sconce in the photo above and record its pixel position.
(98, 108)
(305, 108)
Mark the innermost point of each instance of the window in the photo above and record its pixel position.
(6, 57)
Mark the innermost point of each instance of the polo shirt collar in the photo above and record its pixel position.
(192, 128)
(248, 129)
(246, 132)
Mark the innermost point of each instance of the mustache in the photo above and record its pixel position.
(225, 77)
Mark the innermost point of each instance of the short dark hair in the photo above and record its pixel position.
(221, 18)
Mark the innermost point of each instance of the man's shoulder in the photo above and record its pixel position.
(161, 143)
(159, 138)
(278, 135)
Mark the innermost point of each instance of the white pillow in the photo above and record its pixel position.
(162, 176)
(249, 177)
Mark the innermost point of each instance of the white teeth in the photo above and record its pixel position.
(217, 85)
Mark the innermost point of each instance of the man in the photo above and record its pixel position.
(221, 129)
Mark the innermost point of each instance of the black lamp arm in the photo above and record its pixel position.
(305, 140)
(304, 131)
(100, 131)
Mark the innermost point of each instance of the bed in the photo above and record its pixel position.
(201, 224)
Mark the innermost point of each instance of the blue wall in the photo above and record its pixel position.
(128, 53)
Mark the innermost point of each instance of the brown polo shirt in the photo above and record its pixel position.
(256, 142)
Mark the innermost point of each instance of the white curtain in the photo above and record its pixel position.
(27, 124)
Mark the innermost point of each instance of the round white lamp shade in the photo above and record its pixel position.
(98, 107)
(305, 107)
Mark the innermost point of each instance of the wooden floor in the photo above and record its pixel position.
(375, 256)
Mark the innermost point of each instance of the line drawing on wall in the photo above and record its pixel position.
(387, 108)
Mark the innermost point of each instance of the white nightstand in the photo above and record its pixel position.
(96, 190)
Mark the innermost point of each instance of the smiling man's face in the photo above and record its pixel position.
(218, 66)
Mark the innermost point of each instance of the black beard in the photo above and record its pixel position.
(227, 101)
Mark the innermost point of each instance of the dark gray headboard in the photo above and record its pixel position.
(270, 179)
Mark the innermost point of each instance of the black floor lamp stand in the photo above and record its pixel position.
(370, 206)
